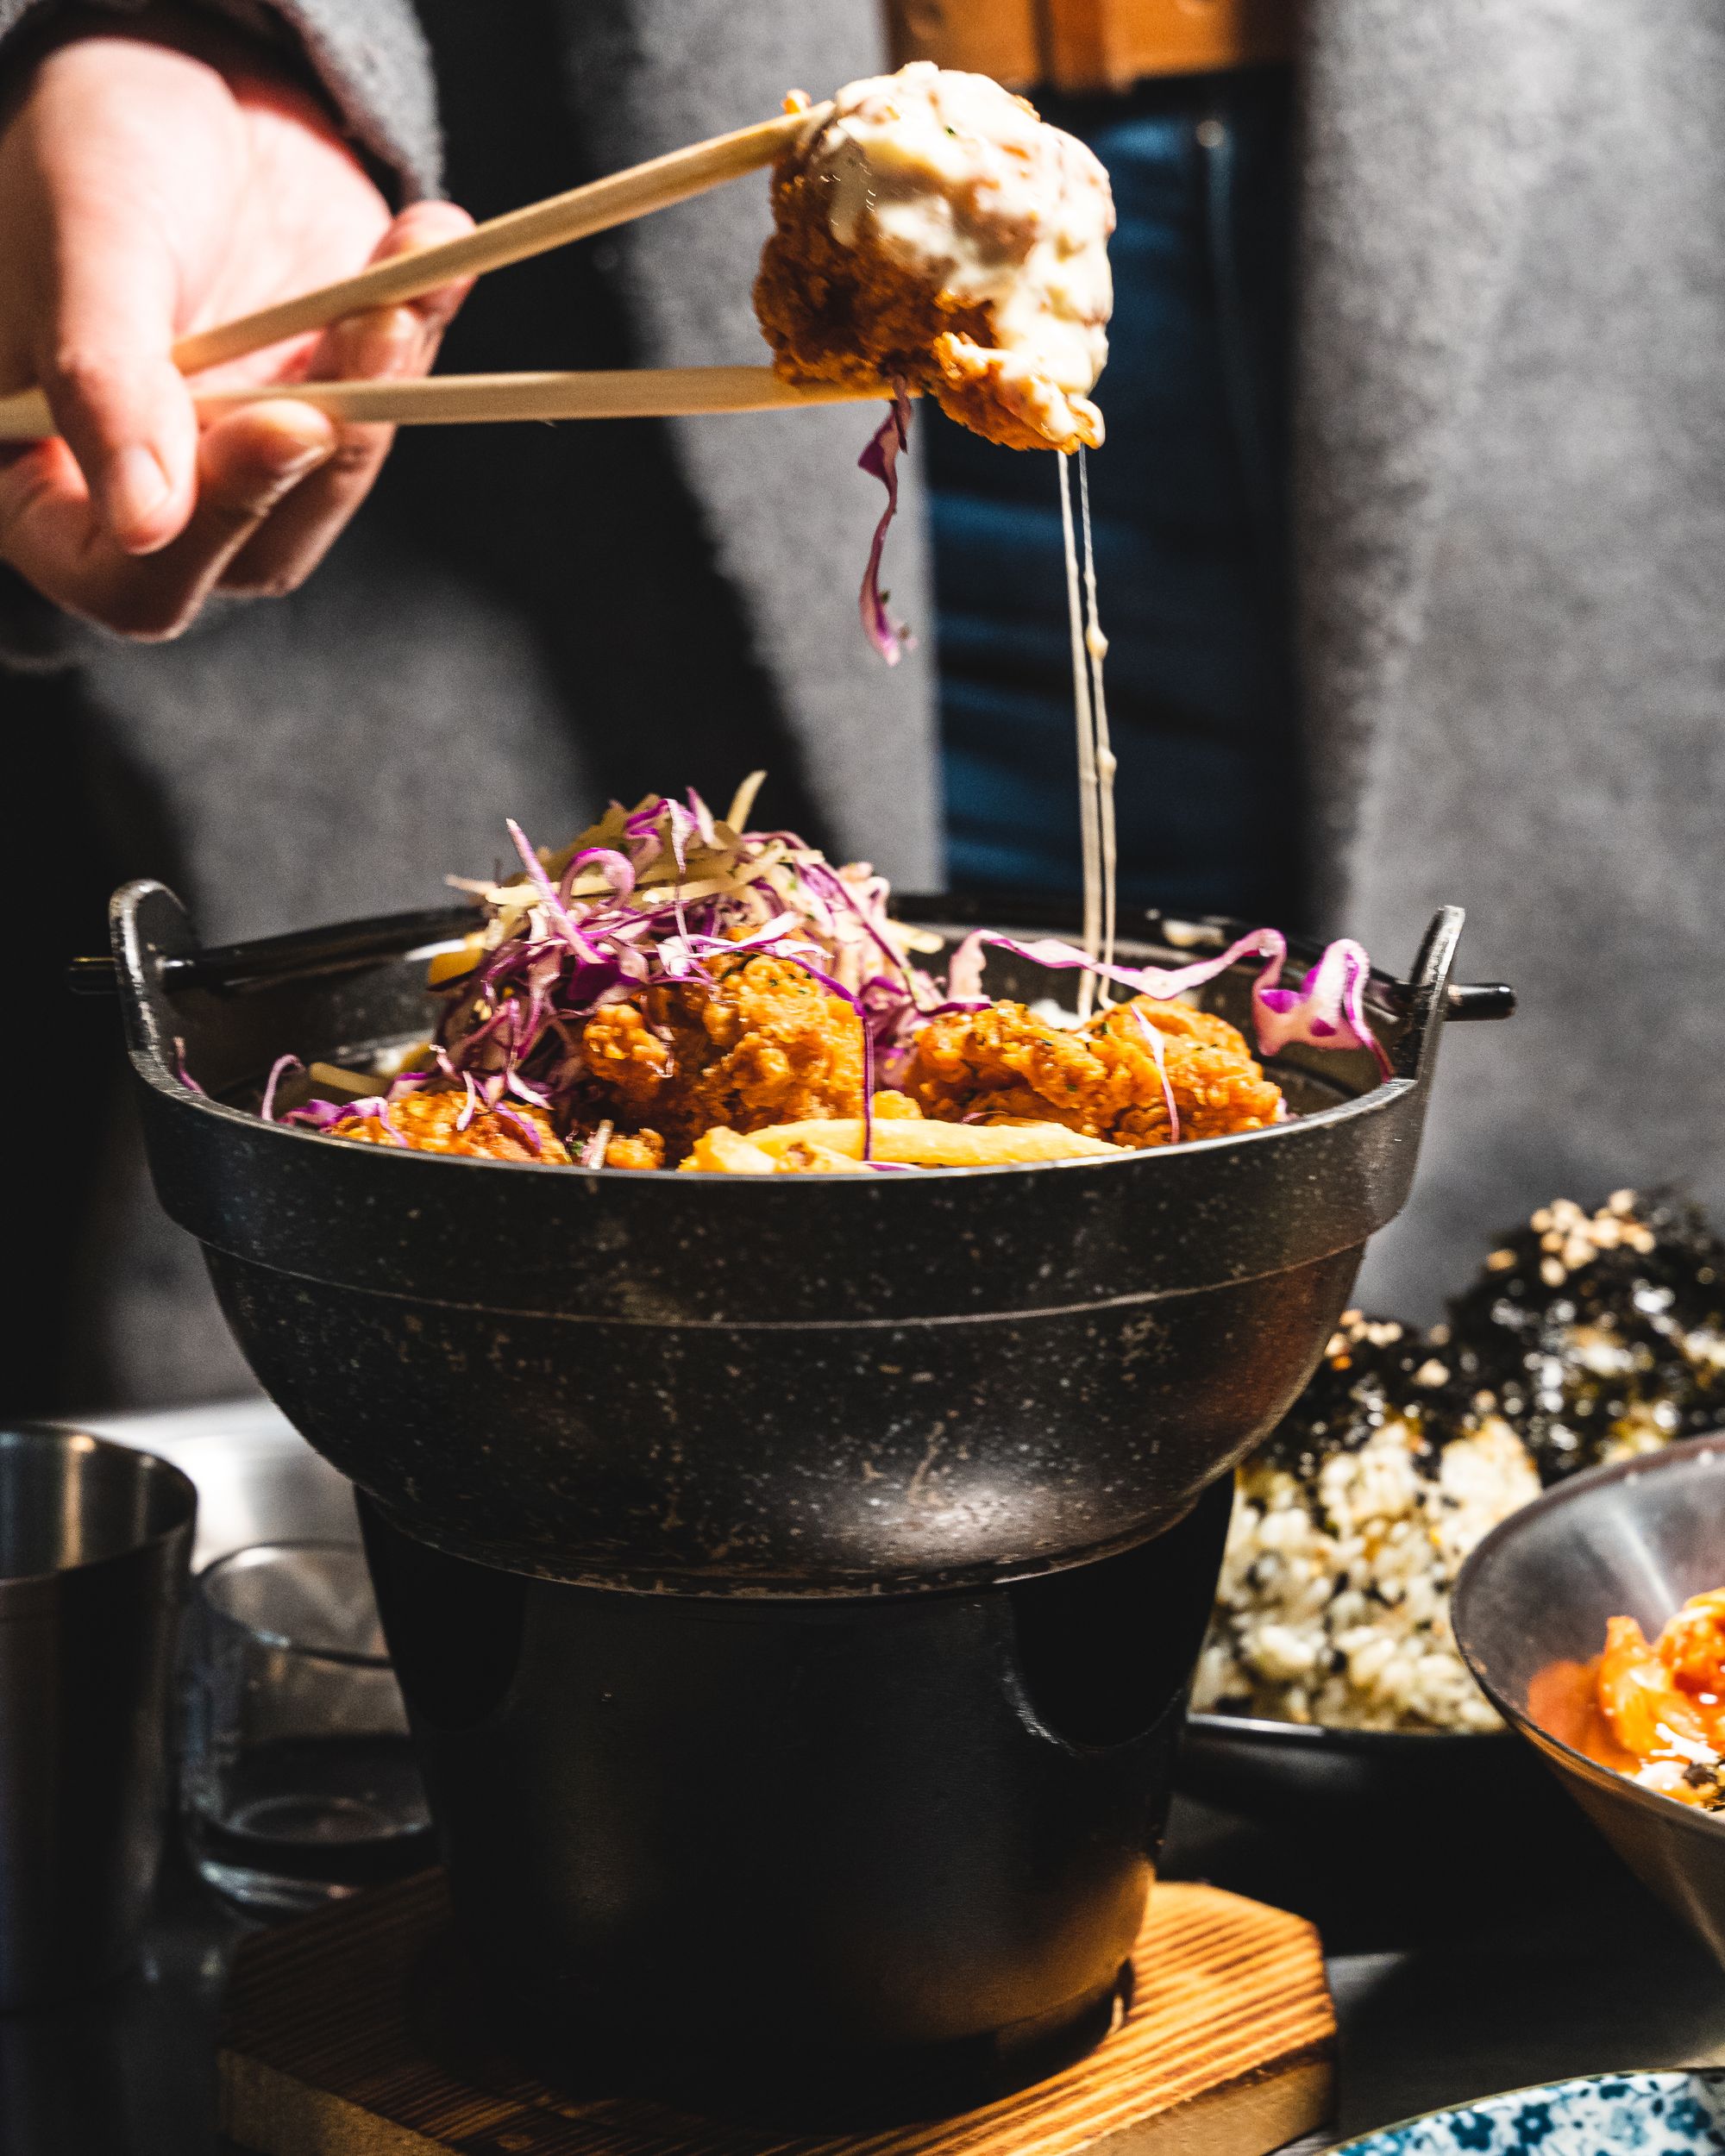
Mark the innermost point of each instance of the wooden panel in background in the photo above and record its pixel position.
(1109, 44)
(1091, 44)
(1227, 2052)
(1001, 38)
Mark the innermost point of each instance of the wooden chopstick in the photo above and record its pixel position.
(449, 399)
(534, 230)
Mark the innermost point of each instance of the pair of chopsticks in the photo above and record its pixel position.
(444, 400)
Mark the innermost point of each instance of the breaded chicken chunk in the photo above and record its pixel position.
(763, 1042)
(1103, 1080)
(932, 229)
(635, 1149)
(426, 1122)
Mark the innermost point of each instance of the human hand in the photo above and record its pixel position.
(158, 173)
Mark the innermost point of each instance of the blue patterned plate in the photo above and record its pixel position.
(1650, 2114)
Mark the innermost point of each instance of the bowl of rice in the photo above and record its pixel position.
(1330, 1672)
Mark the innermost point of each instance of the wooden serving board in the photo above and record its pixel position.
(330, 2048)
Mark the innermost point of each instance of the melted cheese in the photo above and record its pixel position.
(960, 182)
(1096, 756)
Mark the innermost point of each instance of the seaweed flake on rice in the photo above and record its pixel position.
(1601, 1334)
(1584, 1337)
(1349, 1528)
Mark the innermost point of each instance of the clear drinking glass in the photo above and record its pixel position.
(299, 1784)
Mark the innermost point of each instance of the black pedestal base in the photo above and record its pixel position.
(903, 1840)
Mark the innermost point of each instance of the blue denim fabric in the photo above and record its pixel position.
(1187, 496)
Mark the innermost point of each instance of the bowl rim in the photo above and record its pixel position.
(1680, 1453)
(1327, 1736)
(1371, 1102)
(1562, 2085)
(1435, 958)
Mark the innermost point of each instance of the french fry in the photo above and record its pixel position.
(982, 1144)
(355, 1084)
(912, 1142)
(817, 1160)
(445, 965)
(722, 1152)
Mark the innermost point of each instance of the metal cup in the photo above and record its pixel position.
(95, 1541)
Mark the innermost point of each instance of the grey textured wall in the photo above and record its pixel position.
(1513, 549)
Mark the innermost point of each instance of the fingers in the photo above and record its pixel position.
(116, 395)
(390, 341)
(252, 508)
(279, 557)
(428, 224)
(247, 464)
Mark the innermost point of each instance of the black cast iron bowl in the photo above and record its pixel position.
(728, 1385)
(1302, 1775)
(1636, 1539)
(1346, 1806)
(1380, 1837)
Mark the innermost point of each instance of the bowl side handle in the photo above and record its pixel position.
(148, 926)
(1428, 991)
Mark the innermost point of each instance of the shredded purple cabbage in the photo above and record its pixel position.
(180, 1072)
(1159, 1053)
(880, 460)
(1327, 1011)
(521, 1127)
(278, 1070)
(652, 896)
(332, 1115)
(655, 895)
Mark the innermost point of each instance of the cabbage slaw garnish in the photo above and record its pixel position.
(651, 896)
(663, 893)
(880, 460)
(1328, 1010)
(1160, 1054)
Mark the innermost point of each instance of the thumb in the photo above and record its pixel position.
(104, 361)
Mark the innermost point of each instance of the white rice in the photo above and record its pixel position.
(1597, 1336)
(1335, 1600)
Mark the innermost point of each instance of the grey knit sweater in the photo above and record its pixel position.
(522, 619)
(1512, 505)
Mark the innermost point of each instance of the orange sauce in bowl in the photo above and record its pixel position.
(1642, 1703)
(1563, 1699)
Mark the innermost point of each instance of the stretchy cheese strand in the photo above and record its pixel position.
(1097, 644)
(1089, 805)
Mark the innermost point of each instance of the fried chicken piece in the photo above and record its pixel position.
(1004, 1063)
(626, 1057)
(635, 1148)
(762, 1043)
(426, 1122)
(935, 231)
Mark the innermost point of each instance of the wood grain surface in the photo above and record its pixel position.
(1082, 45)
(347, 2034)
